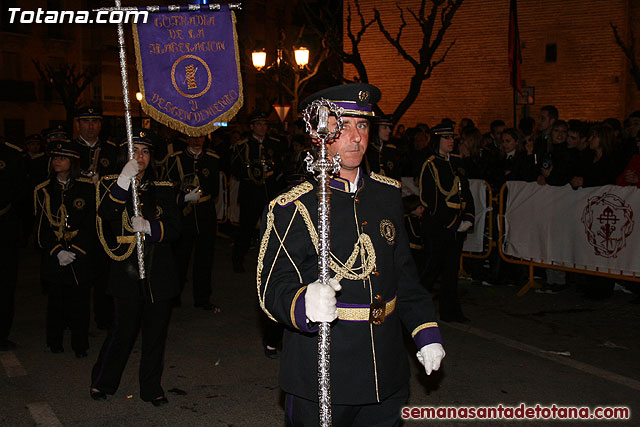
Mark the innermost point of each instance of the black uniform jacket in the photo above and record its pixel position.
(257, 166)
(187, 172)
(13, 185)
(444, 192)
(158, 205)
(368, 361)
(65, 220)
(107, 156)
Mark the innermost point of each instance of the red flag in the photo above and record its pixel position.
(515, 54)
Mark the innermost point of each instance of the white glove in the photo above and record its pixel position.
(139, 224)
(464, 226)
(430, 356)
(129, 170)
(193, 195)
(320, 301)
(65, 257)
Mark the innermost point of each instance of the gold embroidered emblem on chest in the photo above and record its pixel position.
(78, 203)
(388, 231)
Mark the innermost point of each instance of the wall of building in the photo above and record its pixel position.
(588, 81)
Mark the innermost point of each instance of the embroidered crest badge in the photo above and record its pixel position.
(205, 172)
(105, 162)
(388, 231)
(78, 203)
(608, 221)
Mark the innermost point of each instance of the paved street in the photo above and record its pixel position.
(216, 373)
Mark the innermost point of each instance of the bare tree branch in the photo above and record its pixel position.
(629, 52)
(395, 42)
(441, 11)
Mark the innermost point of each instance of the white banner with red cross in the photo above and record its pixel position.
(589, 228)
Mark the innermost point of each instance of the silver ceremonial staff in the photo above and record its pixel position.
(320, 109)
(127, 120)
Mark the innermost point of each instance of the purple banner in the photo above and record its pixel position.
(189, 69)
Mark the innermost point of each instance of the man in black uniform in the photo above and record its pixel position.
(195, 171)
(375, 289)
(97, 158)
(256, 163)
(382, 155)
(449, 214)
(13, 182)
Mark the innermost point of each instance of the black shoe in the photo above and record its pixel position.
(6, 345)
(160, 401)
(271, 353)
(97, 394)
(56, 349)
(81, 354)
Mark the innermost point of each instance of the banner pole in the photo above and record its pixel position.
(127, 120)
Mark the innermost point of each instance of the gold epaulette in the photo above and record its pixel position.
(431, 159)
(37, 156)
(15, 147)
(212, 154)
(108, 177)
(175, 153)
(42, 185)
(385, 180)
(163, 183)
(111, 143)
(294, 194)
(86, 180)
(455, 155)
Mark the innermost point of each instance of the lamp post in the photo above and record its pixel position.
(301, 57)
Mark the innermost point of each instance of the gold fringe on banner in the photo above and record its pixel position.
(175, 123)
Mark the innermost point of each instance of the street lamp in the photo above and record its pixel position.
(259, 58)
(301, 56)
(139, 98)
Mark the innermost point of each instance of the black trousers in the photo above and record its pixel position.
(68, 305)
(252, 200)
(8, 279)
(299, 412)
(130, 317)
(444, 250)
(102, 303)
(203, 240)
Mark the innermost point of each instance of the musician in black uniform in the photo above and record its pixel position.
(390, 154)
(256, 163)
(13, 188)
(382, 155)
(139, 303)
(374, 290)
(449, 214)
(97, 158)
(65, 231)
(195, 171)
(36, 162)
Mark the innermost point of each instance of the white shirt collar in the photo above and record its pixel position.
(353, 186)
